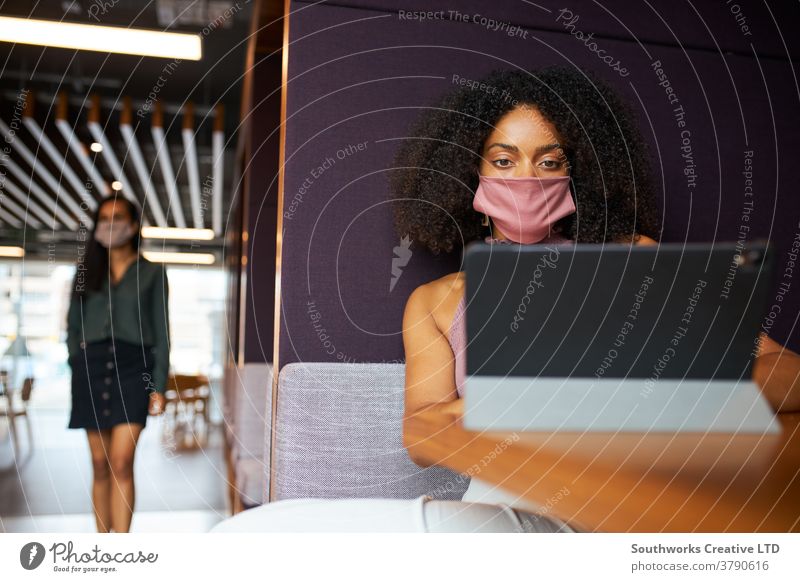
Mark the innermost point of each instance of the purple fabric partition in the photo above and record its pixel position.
(727, 25)
(261, 217)
(359, 75)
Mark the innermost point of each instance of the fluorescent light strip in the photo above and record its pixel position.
(75, 145)
(111, 159)
(15, 252)
(179, 258)
(144, 176)
(107, 39)
(164, 162)
(218, 145)
(193, 172)
(178, 233)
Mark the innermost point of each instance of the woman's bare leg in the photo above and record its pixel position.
(123, 447)
(100, 447)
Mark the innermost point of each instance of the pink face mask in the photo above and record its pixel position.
(524, 209)
(113, 234)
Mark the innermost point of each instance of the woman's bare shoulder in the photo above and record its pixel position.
(440, 289)
(439, 297)
(643, 239)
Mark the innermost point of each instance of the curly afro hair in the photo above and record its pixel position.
(435, 175)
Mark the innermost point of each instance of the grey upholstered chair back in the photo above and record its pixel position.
(339, 434)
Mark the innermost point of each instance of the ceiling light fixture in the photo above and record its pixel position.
(106, 39)
(13, 252)
(177, 233)
(179, 258)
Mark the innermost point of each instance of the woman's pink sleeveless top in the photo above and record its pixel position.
(457, 335)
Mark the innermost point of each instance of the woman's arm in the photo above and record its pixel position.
(74, 335)
(777, 371)
(160, 323)
(430, 367)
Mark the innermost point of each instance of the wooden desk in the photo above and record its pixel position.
(632, 482)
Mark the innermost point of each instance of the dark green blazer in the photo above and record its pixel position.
(136, 308)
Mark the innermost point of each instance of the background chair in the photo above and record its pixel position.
(186, 420)
(11, 410)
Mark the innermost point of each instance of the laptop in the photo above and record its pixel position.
(612, 338)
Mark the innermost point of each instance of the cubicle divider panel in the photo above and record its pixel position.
(251, 233)
(358, 77)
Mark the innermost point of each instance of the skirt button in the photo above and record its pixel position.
(110, 365)
(107, 412)
(106, 396)
(108, 381)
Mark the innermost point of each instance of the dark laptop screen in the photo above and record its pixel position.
(613, 311)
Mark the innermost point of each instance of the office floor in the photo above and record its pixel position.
(49, 489)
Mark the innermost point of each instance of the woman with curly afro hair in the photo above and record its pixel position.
(599, 148)
(472, 169)
(475, 167)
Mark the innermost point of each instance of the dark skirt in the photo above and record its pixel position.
(111, 385)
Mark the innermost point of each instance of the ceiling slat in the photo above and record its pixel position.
(218, 154)
(32, 205)
(10, 218)
(7, 203)
(61, 195)
(74, 144)
(57, 157)
(138, 163)
(48, 201)
(164, 162)
(108, 152)
(192, 168)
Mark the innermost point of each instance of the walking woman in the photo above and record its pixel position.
(118, 342)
